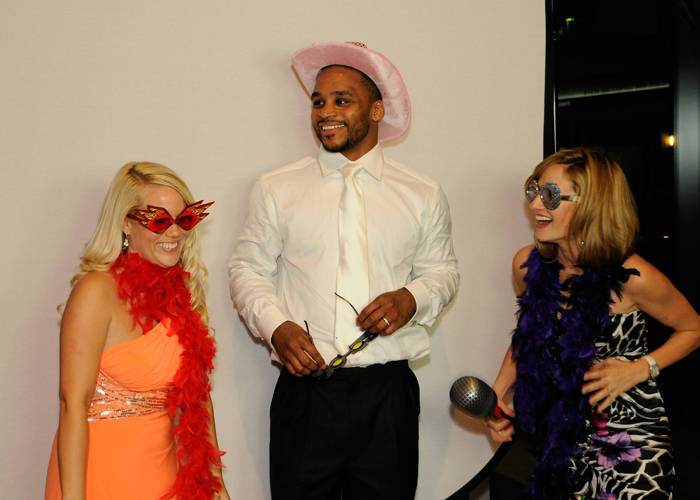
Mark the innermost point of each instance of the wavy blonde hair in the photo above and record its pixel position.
(605, 223)
(123, 195)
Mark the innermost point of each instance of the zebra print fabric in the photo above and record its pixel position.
(628, 454)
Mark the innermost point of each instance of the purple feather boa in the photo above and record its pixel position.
(554, 345)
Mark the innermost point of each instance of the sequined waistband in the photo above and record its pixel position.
(115, 401)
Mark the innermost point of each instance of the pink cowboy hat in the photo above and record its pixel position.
(308, 61)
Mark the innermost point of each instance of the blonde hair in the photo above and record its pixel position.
(123, 195)
(605, 223)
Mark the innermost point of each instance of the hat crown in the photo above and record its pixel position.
(308, 61)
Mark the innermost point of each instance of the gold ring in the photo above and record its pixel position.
(386, 321)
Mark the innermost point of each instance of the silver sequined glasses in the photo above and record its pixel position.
(549, 193)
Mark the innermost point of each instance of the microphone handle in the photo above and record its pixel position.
(497, 414)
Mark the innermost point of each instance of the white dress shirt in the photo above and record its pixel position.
(285, 260)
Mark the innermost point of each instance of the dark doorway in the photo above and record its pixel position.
(623, 78)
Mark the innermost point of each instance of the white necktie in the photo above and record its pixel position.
(353, 271)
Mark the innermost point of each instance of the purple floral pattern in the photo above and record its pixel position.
(606, 496)
(613, 448)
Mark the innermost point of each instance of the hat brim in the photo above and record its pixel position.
(308, 61)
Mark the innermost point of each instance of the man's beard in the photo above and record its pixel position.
(355, 136)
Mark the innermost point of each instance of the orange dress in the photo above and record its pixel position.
(131, 450)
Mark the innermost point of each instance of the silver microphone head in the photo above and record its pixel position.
(474, 396)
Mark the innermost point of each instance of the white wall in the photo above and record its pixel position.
(206, 88)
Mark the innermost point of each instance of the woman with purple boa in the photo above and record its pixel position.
(583, 379)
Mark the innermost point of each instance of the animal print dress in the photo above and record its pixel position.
(628, 455)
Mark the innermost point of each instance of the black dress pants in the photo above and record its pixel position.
(353, 436)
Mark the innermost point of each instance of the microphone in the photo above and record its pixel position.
(475, 397)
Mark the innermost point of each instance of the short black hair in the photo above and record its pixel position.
(374, 93)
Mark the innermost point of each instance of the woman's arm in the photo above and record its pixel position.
(215, 469)
(83, 333)
(502, 430)
(506, 375)
(654, 294)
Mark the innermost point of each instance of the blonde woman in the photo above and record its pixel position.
(583, 377)
(136, 419)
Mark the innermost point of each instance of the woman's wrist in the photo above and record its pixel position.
(500, 391)
(653, 367)
(643, 373)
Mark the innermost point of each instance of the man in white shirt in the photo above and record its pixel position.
(346, 230)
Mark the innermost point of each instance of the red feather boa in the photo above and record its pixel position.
(156, 294)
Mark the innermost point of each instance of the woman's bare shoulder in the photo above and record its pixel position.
(644, 285)
(646, 276)
(98, 281)
(519, 271)
(95, 288)
(90, 310)
(521, 257)
(653, 293)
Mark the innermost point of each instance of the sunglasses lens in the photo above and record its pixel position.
(546, 196)
(550, 195)
(187, 221)
(160, 224)
(338, 362)
(531, 191)
(356, 346)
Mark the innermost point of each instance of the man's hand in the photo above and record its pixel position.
(388, 312)
(296, 349)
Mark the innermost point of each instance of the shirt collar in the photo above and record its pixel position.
(372, 161)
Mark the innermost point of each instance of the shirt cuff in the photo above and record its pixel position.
(421, 295)
(268, 321)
